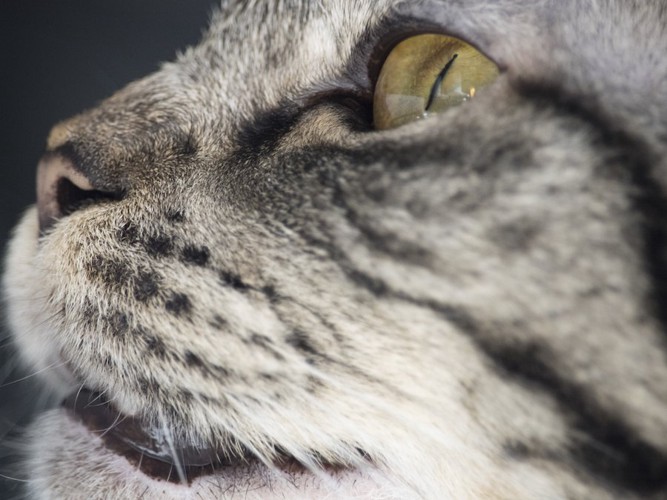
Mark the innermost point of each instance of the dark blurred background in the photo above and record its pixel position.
(57, 58)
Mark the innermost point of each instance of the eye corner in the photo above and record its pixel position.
(360, 107)
(356, 105)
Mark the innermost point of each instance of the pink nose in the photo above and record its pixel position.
(62, 189)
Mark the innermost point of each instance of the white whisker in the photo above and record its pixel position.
(180, 470)
(117, 421)
(49, 367)
(19, 480)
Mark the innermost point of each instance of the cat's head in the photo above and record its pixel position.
(242, 258)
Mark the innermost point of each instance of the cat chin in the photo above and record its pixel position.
(67, 460)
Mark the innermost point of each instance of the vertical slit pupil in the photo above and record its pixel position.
(438, 82)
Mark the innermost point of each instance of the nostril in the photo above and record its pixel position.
(62, 189)
(71, 197)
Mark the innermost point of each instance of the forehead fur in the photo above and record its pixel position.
(259, 53)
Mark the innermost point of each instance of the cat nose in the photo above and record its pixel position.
(63, 188)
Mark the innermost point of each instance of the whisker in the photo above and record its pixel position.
(78, 393)
(49, 367)
(180, 470)
(51, 317)
(19, 480)
(90, 403)
(113, 424)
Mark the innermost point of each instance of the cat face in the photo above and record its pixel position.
(252, 286)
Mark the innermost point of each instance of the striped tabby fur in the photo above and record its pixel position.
(468, 306)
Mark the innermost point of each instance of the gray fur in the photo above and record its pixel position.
(475, 300)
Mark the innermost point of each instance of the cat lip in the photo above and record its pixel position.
(70, 449)
(150, 449)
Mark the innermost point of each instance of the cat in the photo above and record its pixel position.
(359, 249)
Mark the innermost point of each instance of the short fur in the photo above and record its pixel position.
(475, 300)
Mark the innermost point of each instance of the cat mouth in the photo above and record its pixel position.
(157, 453)
(88, 437)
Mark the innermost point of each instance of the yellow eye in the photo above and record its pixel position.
(428, 74)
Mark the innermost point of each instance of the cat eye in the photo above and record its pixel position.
(428, 74)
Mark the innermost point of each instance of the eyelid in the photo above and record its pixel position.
(358, 80)
(392, 31)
